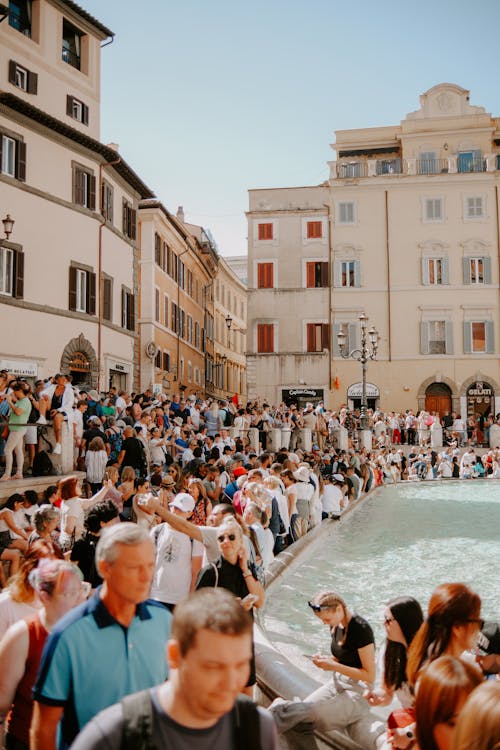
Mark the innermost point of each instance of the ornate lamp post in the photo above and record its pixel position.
(367, 350)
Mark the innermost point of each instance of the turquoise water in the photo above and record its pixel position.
(404, 540)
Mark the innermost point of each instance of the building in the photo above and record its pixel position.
(178, 264)
(230, 334)
(407, 231)
(239, 265)
(69, 269)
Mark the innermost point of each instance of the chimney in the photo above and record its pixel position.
(180, 214)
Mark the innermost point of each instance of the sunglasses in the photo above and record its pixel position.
(318, 607)
(230, 537)
(477, 621)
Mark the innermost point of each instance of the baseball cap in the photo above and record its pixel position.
(184, 502)
(338, 477)
(239, 471)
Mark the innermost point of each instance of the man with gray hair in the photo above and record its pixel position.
(108, 647)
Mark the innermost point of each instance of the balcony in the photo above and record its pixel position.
(471, 163)
(389, 166)
(461, 163)
(432, 166)
(350, 169)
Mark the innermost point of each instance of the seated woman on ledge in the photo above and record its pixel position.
(338, 705)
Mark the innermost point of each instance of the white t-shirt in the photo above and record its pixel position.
(71, 508)
(330, 499)
(174, 552)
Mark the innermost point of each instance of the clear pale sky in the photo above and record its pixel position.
(209, 98)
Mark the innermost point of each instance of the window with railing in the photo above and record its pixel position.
(389, 166)
(352, 169)
(71, 45)
(20, 16)
(471, 161)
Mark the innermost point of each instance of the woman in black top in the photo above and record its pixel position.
(339, 704)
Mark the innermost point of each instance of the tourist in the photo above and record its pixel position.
(71, 690)
(57, 400)
(96, 459)
(442, 692)
(73, 507)
(46, 521)
(97, 518)
(209, 660)
(58, 585)
(478, 726)
(20, 408)
(339, 704)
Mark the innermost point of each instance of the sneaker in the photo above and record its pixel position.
(57, 449)
(41, 420)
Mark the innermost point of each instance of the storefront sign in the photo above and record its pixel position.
(20, 367)
(302, 393)
(480, 389)
(356, 391)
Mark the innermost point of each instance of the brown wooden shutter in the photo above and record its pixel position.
(106, 299)
(85, 114)
(310, 275)
(324, 274)
(78, 187)
(311, 337)
(92, 183)
(124, 218)
(18, 274)
(157, 248)
(133, 223)
(72, 288)
(313, 230)
(265, 337)
(131, 312)
(21, 161)
(325, 336)
(265, 232)
(91, 293)
(32, 82)
(69, 105)
(265, 276)
(12, 71)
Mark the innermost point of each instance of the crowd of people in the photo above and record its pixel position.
(173, 506)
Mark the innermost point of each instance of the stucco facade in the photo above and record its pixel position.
(407, 230)
(69, 271)
(230, 342)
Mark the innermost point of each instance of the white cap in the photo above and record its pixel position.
(184, 502)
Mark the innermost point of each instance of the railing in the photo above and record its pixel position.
(471, 163)
(71, 58)
(432, 166)
(389, 166)
(346, 169)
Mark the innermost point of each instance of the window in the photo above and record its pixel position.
(346, 213)
(318, 337)
(436, 337)
(350, 331)
(265, 338)
(265, 231)
(166, 361)
(128, 310)
(174, 318)
(197, 337)
(82, 290)
(84, 188)
(316, 274)
(182, 274)
(474, 207)
(347, 273)
(477, 270)
(107, 201)
(189, 283)
(22, 78)
(158, 360)
(157, 305)
(265, 275)
(77, 110)
(314, 230)
(435, 271)
(165, 310)
(107, 298)
(129, 220)
(11, 272)
(182, 323)
(20, 16)
(470, 161)
(427, 163)
(71, 45)
(433, 209)
(479, 337)
(13, 157)
(190, 329)
(197, 375)
(190, 372)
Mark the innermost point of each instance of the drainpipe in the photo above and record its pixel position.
(99, 274)
(387, 247)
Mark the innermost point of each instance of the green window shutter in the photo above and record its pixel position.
(425, 271)
(337, 273)
(352, 342)
(445, 270)
(448, 337)
(487, 269)
(424, 337)
(490, 337)
(337, 327)
(467, 273)
(467, 337)
(357, 273)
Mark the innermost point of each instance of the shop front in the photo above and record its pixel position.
(480, 399)
(21, 368)
(302, 396)
(354, 395)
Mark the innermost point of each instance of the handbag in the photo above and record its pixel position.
(401, 728)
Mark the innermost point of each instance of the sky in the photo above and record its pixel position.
(210, 99)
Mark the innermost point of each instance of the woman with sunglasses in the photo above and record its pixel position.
(451, 627)
(339, 704)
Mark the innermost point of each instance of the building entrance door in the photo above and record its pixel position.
(438, 398)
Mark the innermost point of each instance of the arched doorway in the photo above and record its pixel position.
(79, 360)
(480, 397)
(438, 398)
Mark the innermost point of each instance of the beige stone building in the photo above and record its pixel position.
(178, 263)
(69, 270)
(407, 230)
(230, 334)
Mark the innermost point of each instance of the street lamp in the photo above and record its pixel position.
(367, 350)
(8, 226)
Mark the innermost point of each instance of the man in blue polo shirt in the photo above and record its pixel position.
(108, 647)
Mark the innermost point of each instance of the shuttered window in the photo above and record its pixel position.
(107, 298)
(128, 310)
(435, 271)
(479, 337)
(157, 305)
(77, 110)
(316, 274)
(265, 231)
(82, 290)
(107, 201)
(265, 275)
(13, 157)
(436, 337)
(165, 310)
(314, 230)
(318, 337)
(477, 270)
(346, 213)
(84, 184)
(347, 273)
(265, 337)
(11, 272)
(23, 78)
(166, 361)
(129, 220)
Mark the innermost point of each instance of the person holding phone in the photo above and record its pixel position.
(233, 572)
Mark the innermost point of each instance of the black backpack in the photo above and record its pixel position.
(42, 465)
(138, 723)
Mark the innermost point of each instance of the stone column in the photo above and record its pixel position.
(274, 441)
(253, 436)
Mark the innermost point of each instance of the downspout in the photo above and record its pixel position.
(330, 296)
(99, 274)
(387, 245)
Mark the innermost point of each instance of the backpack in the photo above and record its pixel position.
(42, 465)
(115, 443)
(137, 730)
(229, 419)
